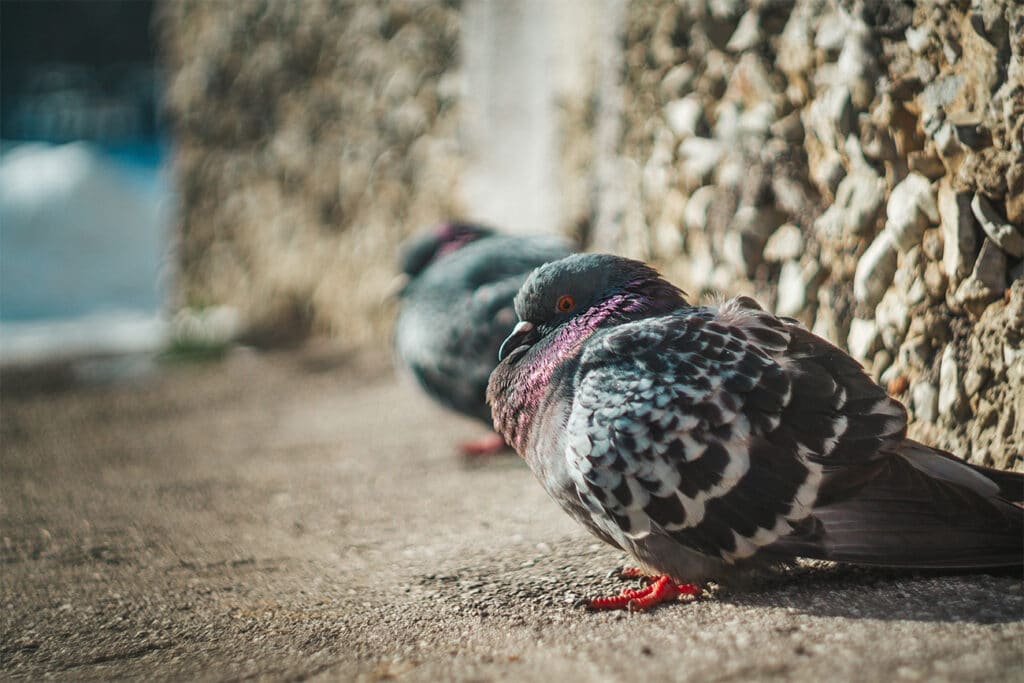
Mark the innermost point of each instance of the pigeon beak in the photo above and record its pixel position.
(523, 334)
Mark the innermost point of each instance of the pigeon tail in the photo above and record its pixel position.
(922, 509)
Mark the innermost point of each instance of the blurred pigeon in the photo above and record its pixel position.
(706, 440)
(457, 308)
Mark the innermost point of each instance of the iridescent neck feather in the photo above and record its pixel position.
(454, 236)
(530, 378)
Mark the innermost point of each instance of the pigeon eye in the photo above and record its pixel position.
(565, 303)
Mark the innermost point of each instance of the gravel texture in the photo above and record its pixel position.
(303, 515)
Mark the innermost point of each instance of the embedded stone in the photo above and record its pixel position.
(785, 244)
(1006, 236)
(795, 52)
(875, 270)
(957, 223)
(792, 289)
(832, 30)
(700, 156)
(748, 33)
(975, 379)
(925, 400)
(931, 244)
(827, 170)
(914, 352)
(863, 338)
(757, 120)
(859, 200)
(830, 117)
(695, 216)
(727, 122)
(880, 363)
(918, 37)
(683, 116)
(986, 282)
(910, 208)
(950, 397)
(856, 63)
(676, 81)
(935, 281)
(893, 318)
(944, 137)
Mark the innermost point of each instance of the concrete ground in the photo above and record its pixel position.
(304, 515)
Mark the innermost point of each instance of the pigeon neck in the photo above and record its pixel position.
(527, 383)
(518, 392)
(455, 239)
(641, 298)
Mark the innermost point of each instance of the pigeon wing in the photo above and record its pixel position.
(716, 426)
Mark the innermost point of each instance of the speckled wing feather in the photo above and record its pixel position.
(717, 427)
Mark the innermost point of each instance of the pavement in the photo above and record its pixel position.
(304, 515)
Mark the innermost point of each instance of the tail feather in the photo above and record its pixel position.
(922, 508)
(1011, 484)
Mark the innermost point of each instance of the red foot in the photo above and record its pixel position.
(660, 589)
(485, 445)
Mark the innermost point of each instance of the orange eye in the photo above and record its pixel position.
(565, 303)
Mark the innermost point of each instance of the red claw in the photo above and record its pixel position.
(659, 589)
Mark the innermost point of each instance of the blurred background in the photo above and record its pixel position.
(85, 195)
(180, 175)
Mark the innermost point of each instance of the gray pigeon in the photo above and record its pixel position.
(456, 309)
(708, 440)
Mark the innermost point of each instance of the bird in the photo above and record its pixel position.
(456, 308)
(712, 441)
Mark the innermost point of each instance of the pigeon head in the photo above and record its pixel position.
(421, 251)
(585, 291)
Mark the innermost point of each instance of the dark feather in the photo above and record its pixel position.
(902, 516)
(457, 310)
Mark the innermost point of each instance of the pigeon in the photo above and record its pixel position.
(456, 308)
(708, 442)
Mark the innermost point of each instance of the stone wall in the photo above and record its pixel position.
(310, 138)
(856, 165)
